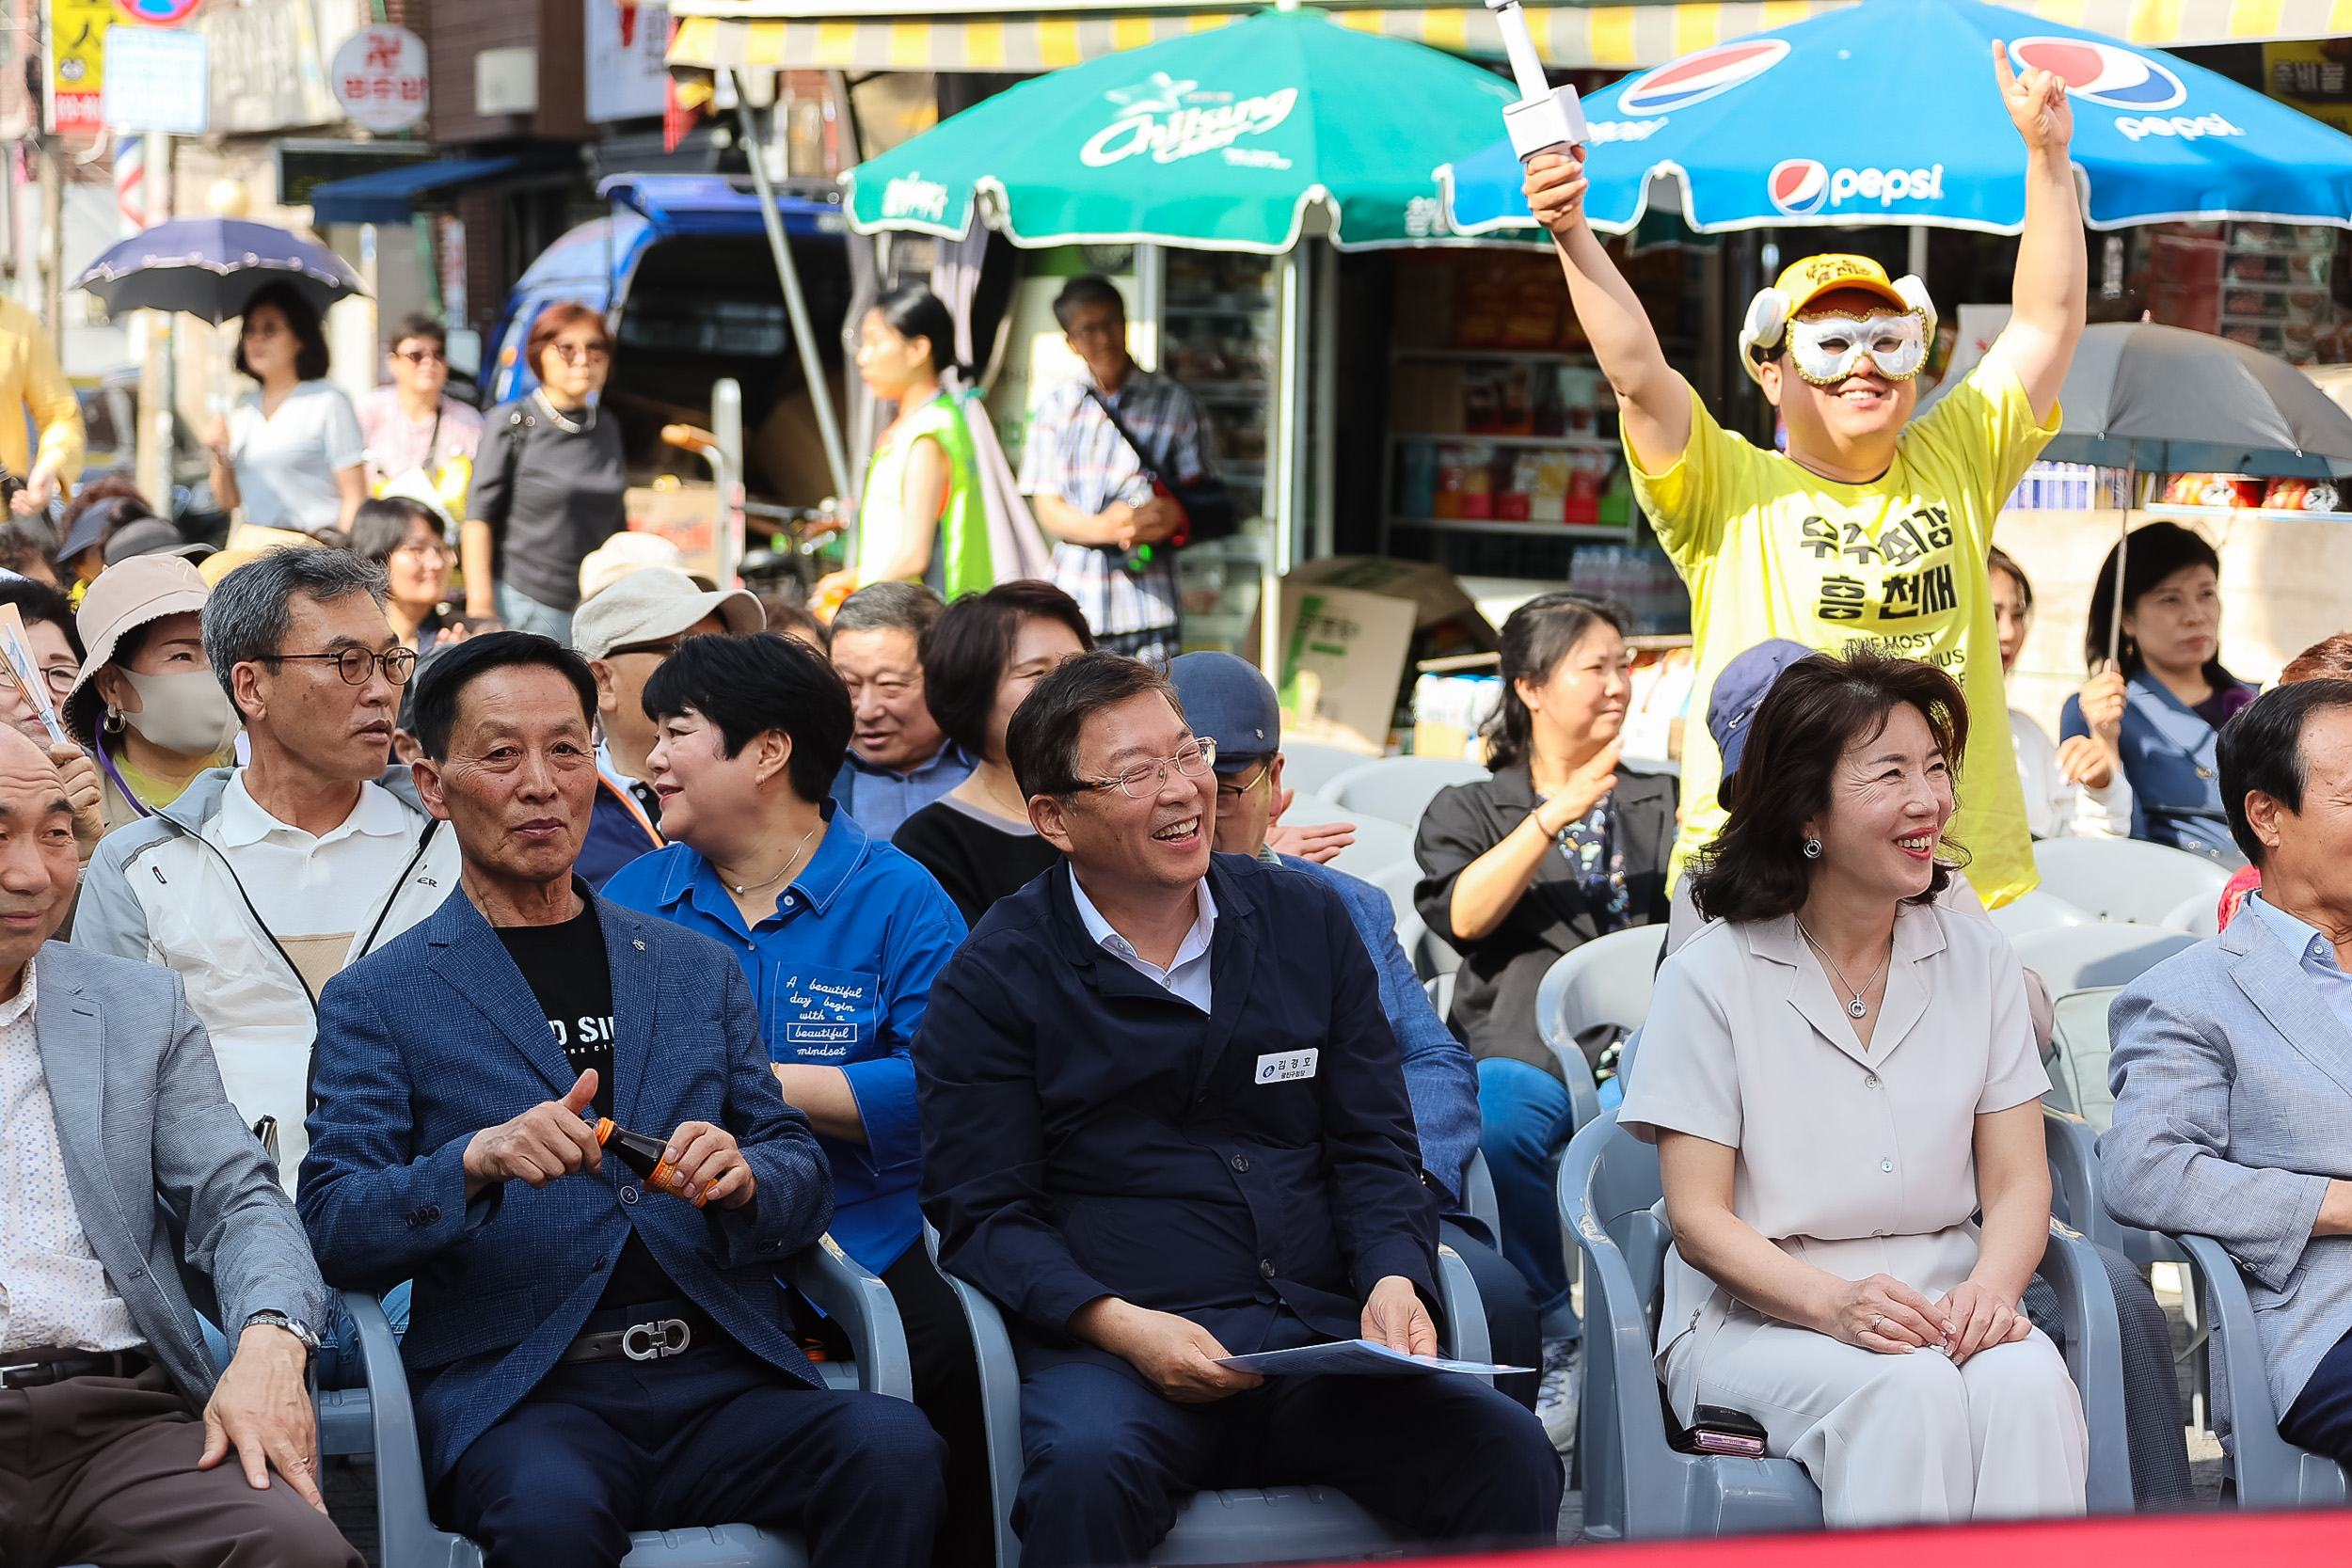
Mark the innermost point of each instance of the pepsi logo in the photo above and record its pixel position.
(1798, 186)
(2101, 72)
(1697, 77)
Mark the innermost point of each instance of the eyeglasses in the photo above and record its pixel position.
(353, 664)
(1230, 787)
(433, 551)
(1143, 780)
(262, 329)
(1111, 328)
(57, 678)
(576, 354)
(423, 356)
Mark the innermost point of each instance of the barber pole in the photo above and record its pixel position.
(131, 182)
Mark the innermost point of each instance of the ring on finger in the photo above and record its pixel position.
(1874, 1323)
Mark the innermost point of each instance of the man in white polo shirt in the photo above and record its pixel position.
(262, 883)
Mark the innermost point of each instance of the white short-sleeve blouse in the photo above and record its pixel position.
(1858, 1160)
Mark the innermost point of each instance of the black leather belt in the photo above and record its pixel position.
(654, 1339)
(42, 1365)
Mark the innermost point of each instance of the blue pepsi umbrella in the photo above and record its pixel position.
(211, 266)
(1889, 112)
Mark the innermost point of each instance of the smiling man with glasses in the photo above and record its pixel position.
(260, 882)
(1165, 1122)
(413, 425)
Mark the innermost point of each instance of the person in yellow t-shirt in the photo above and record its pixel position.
(1873, 527)
(30, 381)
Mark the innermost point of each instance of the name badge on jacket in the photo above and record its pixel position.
(1287, 1066)
(823, 1015)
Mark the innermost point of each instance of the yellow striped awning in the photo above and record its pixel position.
(951, 34)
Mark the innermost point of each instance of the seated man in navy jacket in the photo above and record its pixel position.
(590, 1352)
(1163, 1122)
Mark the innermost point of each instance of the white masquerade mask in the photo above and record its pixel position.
(1828, 349)
(1767, 324)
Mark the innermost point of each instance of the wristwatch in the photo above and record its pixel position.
(300, 1331)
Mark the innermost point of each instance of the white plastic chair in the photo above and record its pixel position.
(1398, 881)
(2198, 914)
(1606, 981)
(2085, 966)
(2126, 879)
(1379, 844)
(1308, 766)
(2038, 910)
(1400, 788)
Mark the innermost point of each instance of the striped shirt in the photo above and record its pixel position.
(1075, 452)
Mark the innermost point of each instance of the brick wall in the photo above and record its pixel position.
(460, 29)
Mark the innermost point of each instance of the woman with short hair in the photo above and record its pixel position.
(403, 537)
(980, 659)
(840, 937)
(1838, 1073)
(549, 479)
(289, 452)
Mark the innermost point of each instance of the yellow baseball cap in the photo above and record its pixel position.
(1802, 282)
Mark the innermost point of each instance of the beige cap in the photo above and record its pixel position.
(657, 602)
(629, 551)
(131, 594)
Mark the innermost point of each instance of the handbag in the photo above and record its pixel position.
(1208, 508)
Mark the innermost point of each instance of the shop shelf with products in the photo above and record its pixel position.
(1216, 324)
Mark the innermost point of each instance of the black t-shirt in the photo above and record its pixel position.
(567, 969)
(976, 860)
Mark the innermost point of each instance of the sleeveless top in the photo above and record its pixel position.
(960, 553)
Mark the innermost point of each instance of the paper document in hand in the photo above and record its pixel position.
(1359, 1358)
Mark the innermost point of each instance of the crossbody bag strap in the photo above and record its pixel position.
(1151, 469)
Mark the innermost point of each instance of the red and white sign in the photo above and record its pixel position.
(379, 78)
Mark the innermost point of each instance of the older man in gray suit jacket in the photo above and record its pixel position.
(2232, 1062)
(128, 1182)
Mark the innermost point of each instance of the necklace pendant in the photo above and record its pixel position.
(1855, 1008)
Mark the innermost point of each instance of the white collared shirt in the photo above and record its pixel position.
(1188, 975)
(52, 1289)
(2313, 954)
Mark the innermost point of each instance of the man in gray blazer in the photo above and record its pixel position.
(2232, 1062)
(134, 1198)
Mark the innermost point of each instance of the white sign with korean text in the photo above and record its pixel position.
(157, 80)
(379, 77)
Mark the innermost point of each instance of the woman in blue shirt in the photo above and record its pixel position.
(2177, 695)
(840, 935)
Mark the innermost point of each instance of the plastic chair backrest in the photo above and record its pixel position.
(2077, 1058)
(2197, 915)
(2125, 879)
(1478, 1193)
(1308, 766)
(1400, 788)
(2086, 958)
(1398, 882)
(1379, 843)
(2037, 910)
(1604, 981)
(2271, 1472)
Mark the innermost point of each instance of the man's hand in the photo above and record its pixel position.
(79, 775)
(1555, 190)
(702, 1156)
(545, 1142)
(39, 487)
(1394, 1316)
(1980, 1319)
(1157, 520)
(261, 1409)
(2037, 104)
(1319, 842)
(1176, 1356)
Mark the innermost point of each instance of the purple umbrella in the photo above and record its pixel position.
(210, 267)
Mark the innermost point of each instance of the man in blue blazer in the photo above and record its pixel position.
(1164, 1123)
(590, 1354)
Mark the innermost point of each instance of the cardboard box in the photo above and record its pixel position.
(1352, 627)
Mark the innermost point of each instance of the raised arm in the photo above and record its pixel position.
(2048, 293)
(1653, 401)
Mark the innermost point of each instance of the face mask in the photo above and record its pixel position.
(1828, 349)
(187, 713)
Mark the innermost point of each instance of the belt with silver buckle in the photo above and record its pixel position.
(41, 1365)
(654, 1339)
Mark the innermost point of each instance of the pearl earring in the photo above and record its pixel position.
(1813, 848)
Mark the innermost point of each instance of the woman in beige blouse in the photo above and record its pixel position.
(1838, 1075)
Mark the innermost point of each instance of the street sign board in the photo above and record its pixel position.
(77, 63)
(379, 78)
(156, 81)
(159, 13)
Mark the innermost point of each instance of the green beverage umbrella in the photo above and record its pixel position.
(1221, 140)
(1243, 137)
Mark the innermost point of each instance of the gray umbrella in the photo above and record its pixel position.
(2166, 400)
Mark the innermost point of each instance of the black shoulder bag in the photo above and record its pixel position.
(1208, 508)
